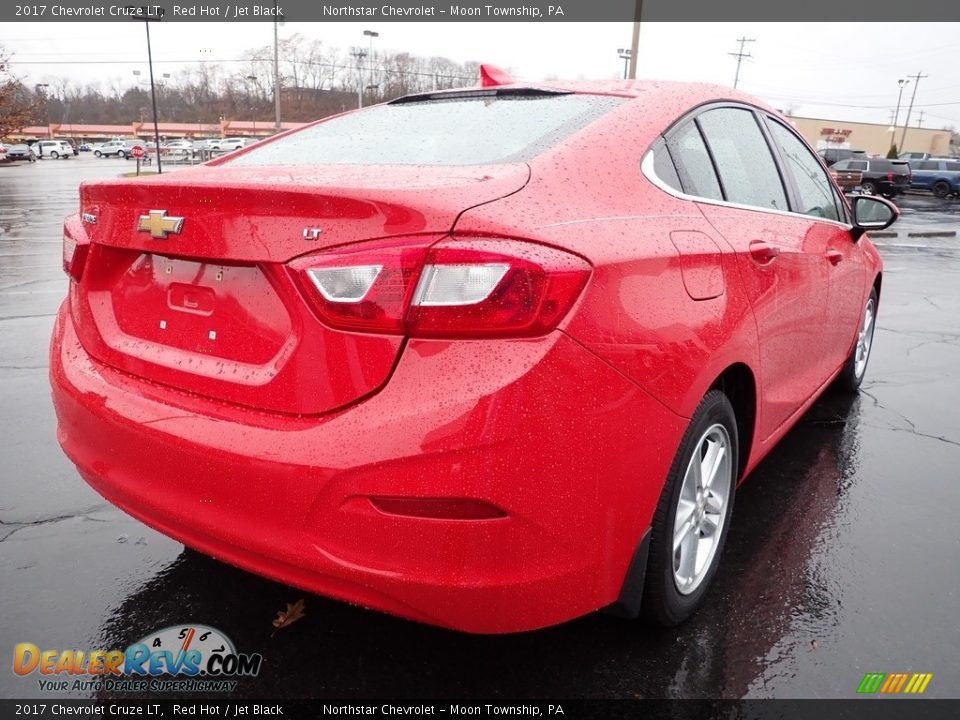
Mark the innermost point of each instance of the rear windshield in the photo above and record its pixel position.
(482, 129)
(887, 166)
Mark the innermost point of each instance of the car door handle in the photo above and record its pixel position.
(763, 252)
(834, 256)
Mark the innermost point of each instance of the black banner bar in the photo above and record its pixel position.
(858, 11)
(219, 708)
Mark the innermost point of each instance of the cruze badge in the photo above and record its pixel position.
(158, 224)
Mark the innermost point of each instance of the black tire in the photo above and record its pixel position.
(121, 154)
(869, 187)
(850, 379)
(97, 153)
(663, 602)
(54, 155)
(941, 189)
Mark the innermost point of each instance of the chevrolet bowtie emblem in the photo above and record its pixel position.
(158, 224)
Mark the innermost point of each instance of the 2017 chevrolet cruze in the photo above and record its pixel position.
(490, 358)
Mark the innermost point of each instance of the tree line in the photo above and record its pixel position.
(316, 80)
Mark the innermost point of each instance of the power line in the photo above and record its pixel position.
(740, 56)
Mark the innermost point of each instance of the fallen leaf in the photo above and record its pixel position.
(289, 616)
(815, 644)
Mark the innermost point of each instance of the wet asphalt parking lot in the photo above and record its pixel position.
(843, 558)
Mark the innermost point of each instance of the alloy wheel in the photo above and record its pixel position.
(702, 508)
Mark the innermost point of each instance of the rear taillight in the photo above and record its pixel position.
(454, 289)
(890, 176)
(74, 256)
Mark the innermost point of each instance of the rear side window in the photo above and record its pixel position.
(480, 129)
(663, 166)
(926, 165)
(746, 167)
(814, 188)
(953, 166)
(693, 163)
(857, 165)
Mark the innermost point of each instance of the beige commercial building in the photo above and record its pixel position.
(871, 137)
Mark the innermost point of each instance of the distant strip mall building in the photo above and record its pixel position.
(873, 138)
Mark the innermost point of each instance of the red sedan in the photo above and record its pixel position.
(489, 359)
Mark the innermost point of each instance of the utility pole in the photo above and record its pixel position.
(740, 56)
(916, 78)
(635, 40)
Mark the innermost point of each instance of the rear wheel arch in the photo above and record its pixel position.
(739, 384)
(877, 281)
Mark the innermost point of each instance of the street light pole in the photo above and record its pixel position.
(371, 34)
(276, 69)
(896, 116)
(625, 54)
(359, 55)
(153, 97)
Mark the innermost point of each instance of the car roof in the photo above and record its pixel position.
(655, 91)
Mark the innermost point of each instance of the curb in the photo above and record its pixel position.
(918, 234)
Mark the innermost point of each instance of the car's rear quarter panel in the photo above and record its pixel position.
(590, 197)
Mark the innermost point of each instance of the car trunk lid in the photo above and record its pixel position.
(186, 284)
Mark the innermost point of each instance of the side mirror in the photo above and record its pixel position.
(872, 213)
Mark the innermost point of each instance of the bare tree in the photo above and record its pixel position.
(19, 107)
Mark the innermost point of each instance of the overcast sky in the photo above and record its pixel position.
(829, 70)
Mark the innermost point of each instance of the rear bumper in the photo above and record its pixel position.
(570, 453)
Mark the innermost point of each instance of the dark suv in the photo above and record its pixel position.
(833, 155)
(880, 176)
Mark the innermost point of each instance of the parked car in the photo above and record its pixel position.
(53, 149)
(912, 156)
(833, 155)
(880, 176)
(225, 144)
(178, 148)
(532, 394)
(70, 143)
(3, 154)
(111, 148)
(21, 151)
(84, 147)
(940, 176)
(847, 180)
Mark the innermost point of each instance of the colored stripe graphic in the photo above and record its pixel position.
(919, 683)
(870, 683)
(894, 683)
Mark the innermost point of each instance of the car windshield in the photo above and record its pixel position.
(478, 129)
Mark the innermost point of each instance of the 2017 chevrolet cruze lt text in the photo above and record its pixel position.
(489, 359)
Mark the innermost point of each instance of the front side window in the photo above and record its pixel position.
(748, 172)
(816, 194)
